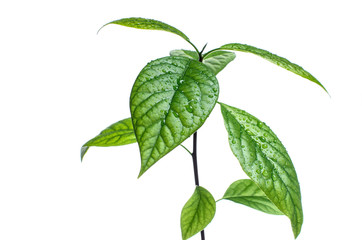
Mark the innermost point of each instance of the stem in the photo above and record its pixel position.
(194, 159)
(194, 47)
(186, 149)
(194, 151)
(196, 173)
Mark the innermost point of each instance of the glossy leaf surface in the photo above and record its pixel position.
(246, 192)
(148, 24)
(170, 99)
(265, 160)
(117, 134)
(280, 61)
(185, 53)
(217, 60)
(197, 213)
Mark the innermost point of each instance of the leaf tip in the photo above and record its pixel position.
(142, 171)
(102, 27)
(83, 151)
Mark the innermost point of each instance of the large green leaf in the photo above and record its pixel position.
(217, 60)
(117, 134)
(246, 192)
(170, 99)
(197, 213)
(280, 61)
(265, 160)
(148, 24)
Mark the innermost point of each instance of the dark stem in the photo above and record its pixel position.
(196, 173)
(201, 58)
(194, 159)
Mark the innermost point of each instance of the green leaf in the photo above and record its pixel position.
(170, 99)
(246, 192)
(197, 213)
(185, 53)
(280, 61)
(117, 134)
(148, 24)
(217, 60)
(265, 160)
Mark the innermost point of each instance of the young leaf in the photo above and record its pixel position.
(185, 53)
(280, 61)
(117, 134)
(170, 99)
(246, 192)
(148, 24)
(217, 60)
(265, 160)
(197, 213)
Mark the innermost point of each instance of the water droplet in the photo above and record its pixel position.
(257, 170)
(274, 176)
(265, 173)
(233, 141)
(180, 81)
(214, 89)
(175, 88)
(260, 124)
(242, 146)
(211, 96)
(189, 108)
(249, 132)
(264, 146)
(175, 114)
(262, 139)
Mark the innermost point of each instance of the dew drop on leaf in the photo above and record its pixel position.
(250, 132)
(175, 114)
(189, 108)
(262, 139)
(274, 177)
(180, 81)
(265, 173)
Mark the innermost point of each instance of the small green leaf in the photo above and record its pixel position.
(280, 61)
(197, 213)
(185, 53)
(265, 160)
(117, 134)
(148, 24)
(170, 99)
(246, 192)
(217, 60)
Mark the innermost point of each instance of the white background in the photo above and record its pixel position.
(61, 84)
